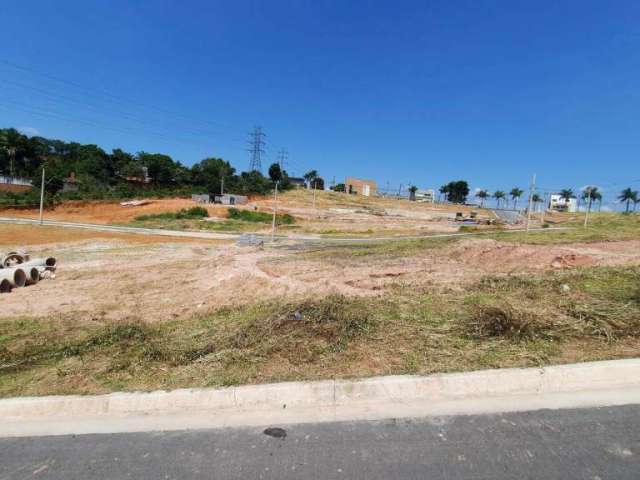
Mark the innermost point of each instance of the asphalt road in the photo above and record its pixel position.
(592, 444)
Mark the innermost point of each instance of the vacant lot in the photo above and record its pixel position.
(137, 312)
(334, 214)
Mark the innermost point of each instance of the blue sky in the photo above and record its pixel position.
(406, 91)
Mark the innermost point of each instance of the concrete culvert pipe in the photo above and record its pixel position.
(48, 262)
(32, 274)
(5, 286)
(16, 276)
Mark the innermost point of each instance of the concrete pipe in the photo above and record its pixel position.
(5, 286)
(32, 274)
(16, 276)
(48, 262)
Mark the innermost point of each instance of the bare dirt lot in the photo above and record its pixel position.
(333, 214)
(116, 276)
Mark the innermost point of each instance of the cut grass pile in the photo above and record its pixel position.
(259, 217)
(558, 317)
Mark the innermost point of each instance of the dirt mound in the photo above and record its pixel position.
(495, 256)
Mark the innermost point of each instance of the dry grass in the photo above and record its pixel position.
(499, 322)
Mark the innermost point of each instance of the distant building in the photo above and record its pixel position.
(298, 182)
(559, 204)
(201, 198)
(426, 196)
(231, 199)
(358, 186)
(14, 184)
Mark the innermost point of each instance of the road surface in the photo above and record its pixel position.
(602, 443)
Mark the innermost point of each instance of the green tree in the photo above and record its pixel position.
(567, 194)
(161, 168)
(310, 176)
(627, 196)
(515, 193)
(536, 199)
(482, 195)
(412, 192)
(275, 173)
(589, 195)
(444, 191)
(499, 195)
(457, 191)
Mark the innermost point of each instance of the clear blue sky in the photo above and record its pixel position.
(403, 91)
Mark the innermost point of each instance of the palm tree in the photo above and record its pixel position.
(589, 194)
(311, 177)
(536, 199)
(567, 194)
(627, 195)
(482, 195)
(498, 195)
(412, 192)
(515, 193)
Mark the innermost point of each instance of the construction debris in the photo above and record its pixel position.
(18, 269)
(134, 203)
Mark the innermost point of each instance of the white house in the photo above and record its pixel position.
(427, 196)
(559, 204)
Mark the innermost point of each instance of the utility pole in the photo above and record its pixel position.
(41, 195)
(399, 190)
(544, 206)
(256, 149)
(531, 190)
(586, 215)
(275, 209)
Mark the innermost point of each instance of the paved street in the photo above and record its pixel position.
(590, 444)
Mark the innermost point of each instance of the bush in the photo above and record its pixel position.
(259, 217)
(184, 214)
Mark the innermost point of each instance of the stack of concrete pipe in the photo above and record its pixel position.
(19, 270)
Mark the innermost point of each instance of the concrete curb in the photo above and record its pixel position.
(405, 389)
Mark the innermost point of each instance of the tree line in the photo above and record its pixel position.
(119, 174)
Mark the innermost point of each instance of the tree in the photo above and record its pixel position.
(590, 194)
(536, 199)
(498, 195)
(212, 173)
(567, 194)
(340, 187)
(515, 193)
(412, 192)
(482, 195)
(444, 190)
(627, 195)
(161, 168)
(310, 176)
(457, 191)
(275, 173)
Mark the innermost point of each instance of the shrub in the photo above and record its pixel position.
(259, 217)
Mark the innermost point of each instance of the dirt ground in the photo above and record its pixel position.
(333, 214)
(114, 276)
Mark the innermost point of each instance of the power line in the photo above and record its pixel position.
(104, 93)
(256, 149)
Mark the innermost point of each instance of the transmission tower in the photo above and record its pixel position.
(256, 149)
(283, 156)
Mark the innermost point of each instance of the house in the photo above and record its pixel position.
(358, 186)
(426, 196)
(559, 204)
(298, 182)
(231, 199)
(14, 184)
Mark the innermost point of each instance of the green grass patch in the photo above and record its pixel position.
(259, 217)
(182, 214)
